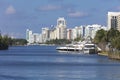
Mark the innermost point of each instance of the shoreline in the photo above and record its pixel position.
(103, 53)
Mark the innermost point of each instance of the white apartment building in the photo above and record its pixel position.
(76, 32)
(29, 36)
(69, 34)
(45, 34)
(53, 34)
(32, 37)
(61, 30)
(114, 20)
(36, 38)
(40, 38)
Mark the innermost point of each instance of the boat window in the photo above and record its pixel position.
(89, 46)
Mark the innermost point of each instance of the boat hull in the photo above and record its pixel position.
(90, 51)
(68, 49)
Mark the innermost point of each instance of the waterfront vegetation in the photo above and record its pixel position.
(6, 41)
(58, 41)
(111, 37)
(63, 41)
(108, 41)
(17, 42)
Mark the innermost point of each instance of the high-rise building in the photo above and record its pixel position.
(32, 37)
(45, 34)
(61, 30)
(118, 18)
(76, 32)
(69, 34)
(29, 36)
(53, 34)
(36, 38)
(114, 20)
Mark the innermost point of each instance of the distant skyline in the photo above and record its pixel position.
(18, 15)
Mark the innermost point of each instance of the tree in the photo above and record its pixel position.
(116, 42)
(100, 36)
(58, 41)
(18, 42)
(111, 34)
(3, 42)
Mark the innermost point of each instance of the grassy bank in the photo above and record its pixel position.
(112, 55)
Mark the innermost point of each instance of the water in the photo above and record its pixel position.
(45, 63)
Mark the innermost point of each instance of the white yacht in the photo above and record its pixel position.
(72, 47)
(89, 48)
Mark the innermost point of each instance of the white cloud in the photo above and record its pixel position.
(77, 14)
(50, 7)
(10, 10)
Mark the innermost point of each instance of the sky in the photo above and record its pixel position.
(18, 15)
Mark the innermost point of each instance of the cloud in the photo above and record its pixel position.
(77, 14)
(50, 7)
(10, 10)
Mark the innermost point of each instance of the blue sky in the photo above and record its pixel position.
(18, 15)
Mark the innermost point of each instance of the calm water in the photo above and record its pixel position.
(45, 63)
